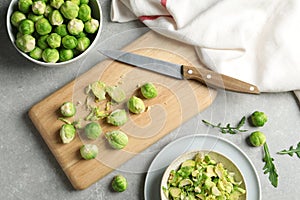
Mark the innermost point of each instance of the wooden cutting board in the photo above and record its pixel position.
(177, 101)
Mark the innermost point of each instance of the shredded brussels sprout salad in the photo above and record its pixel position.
(205, 179)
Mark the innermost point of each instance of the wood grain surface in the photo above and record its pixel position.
(177, 101)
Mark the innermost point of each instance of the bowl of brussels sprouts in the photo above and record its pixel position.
(202, 174)
(54, 32)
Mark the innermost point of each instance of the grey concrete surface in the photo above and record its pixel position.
(28, 170)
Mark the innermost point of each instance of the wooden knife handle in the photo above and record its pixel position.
(216, 80)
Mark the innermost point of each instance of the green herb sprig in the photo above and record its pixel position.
(270, 167)
(291, 151)
(228, 128)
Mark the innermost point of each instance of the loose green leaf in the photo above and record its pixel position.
(64, 120)
(291, 151)
(228, 128)
(270, 167)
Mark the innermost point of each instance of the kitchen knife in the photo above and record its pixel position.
(204, 76)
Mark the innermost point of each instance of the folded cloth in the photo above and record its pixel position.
(256, 41)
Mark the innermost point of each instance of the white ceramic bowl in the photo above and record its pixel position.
(96, 14)
(228, 164)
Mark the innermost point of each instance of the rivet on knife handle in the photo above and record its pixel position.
(216, 80)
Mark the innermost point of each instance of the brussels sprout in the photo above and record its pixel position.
(257, 138)
(76, 52)
(148, 90)
(54, 40)
(56, 3)
(26, 43)
(61, 30)
(117, 117)
(56, 18)
(43, 26)
(83, 43)
(119, 183)
(16, 18)
(68, 109)
(42, 42)
(24, 5)
(48, 10)
(91, 26)
(65, 55)
(75, 26)
(259, 118)
(89, 151)
(85, 12)
(98, 89)
(80, 35)
(69, 42)
(36, 53)
(84, 1)
(67, 133)
(69, 10)
(19, 35)
(34, 17)
(136, 105)
(77, 2)
(92, 130)
(116, 93)
(38, 7)
(50, 55)
(26, 26)
(117, 139)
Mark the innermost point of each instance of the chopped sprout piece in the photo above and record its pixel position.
(68, 109)
(92, 130)
(117, 117)
(119, 183)
(89, 151)
(117, 139)
(116, 93)
(136, 105)
(98, 89)
(149, 90)
(96, 114)
(67, 133)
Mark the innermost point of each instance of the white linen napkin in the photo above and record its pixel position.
(256, 41)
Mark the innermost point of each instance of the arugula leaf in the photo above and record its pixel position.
(270, 167)
(228, 128)
(291, 151)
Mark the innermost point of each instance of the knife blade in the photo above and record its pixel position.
(178, 71)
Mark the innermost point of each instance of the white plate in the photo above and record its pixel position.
(200, 142)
